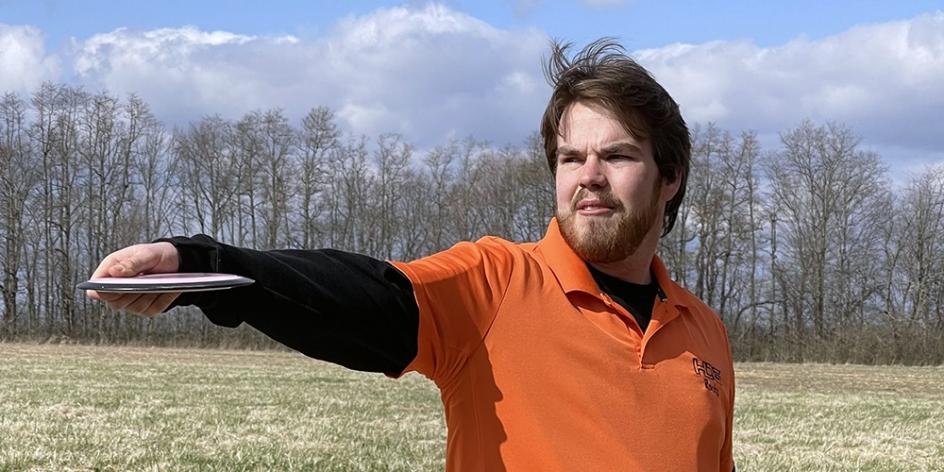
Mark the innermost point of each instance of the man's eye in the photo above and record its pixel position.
(618, 157)
(567, 160)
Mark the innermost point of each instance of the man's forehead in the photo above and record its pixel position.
(581, 121)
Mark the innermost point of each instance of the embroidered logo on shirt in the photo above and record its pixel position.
(708, 373)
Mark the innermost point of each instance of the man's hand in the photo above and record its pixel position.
(136, 260)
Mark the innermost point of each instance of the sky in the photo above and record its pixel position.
(434, 71)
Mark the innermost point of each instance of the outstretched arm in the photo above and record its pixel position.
(345, 308)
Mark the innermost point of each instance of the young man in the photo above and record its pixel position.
(573, 353)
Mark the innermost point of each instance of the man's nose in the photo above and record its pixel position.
(591, 174)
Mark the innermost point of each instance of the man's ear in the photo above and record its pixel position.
(671, 187)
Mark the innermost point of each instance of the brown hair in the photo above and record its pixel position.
(602, 74)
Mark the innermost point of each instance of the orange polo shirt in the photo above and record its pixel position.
(540, 371)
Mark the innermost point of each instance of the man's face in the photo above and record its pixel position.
(610, 196)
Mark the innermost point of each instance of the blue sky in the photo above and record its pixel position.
(434, 71)
(641, 24)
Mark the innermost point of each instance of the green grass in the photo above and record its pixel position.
(106, 408)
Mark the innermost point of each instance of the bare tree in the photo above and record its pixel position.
(66, 204)
(247, 149)
(471, 174)
(439, 168)
(918, 318)
(392, 161)
(18, 177)
(739, 256)
(154, 168)
(828, 192)
(318, 138)
(534, 183)
(350, 184)
(278, 167)
(812, 259)
(208, 168)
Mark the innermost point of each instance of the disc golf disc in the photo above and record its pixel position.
(163, 283)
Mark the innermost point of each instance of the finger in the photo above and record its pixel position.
(126, 268)
(142, 303)
(160, 304)
(104, 296)
(142, 258)
(111, 296)
(102, 269)
(129, 261)
(124, 300)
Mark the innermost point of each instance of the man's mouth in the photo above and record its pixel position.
(591, 207)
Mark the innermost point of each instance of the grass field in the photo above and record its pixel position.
(95, 408)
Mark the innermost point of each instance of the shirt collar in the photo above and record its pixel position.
(572, 273)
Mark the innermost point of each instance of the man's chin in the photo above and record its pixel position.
(594, 223)
(600, 239)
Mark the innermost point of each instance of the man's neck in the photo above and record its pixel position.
(630, 272)
(635, 268)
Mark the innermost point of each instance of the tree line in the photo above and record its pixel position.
(808, 251)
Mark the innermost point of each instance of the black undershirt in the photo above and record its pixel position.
(635, 298)
(336, 306)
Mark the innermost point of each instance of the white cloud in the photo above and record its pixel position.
(182, 72)
(23, 59)
(432, 73)
(428, 73)
(884, 80)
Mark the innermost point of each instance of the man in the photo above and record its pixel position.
(573, 353)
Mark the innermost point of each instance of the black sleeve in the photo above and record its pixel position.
(345, 308)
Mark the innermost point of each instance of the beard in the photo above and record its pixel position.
(611, 238)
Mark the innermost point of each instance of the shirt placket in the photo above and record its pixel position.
(663, 312)
(635, 332)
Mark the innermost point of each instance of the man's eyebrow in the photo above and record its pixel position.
(567, 151)
(621, 147)
(612, 148)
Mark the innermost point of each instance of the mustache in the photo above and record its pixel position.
(605, 198)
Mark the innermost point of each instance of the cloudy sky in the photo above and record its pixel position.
(460, 68)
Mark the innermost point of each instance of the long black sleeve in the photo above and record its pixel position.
(345, 308)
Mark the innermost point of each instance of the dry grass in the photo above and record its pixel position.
(98, 408)
(91, 408)
(839, 417)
